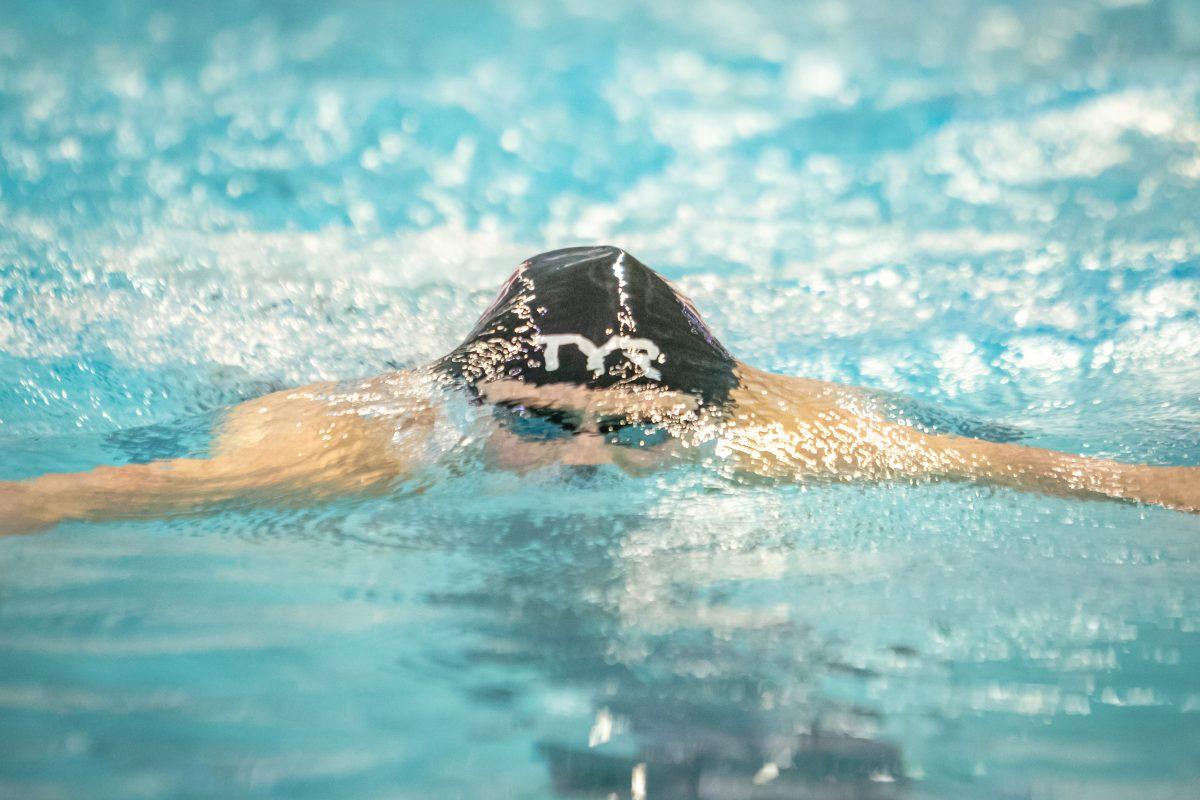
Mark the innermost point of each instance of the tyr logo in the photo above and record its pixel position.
(640, 352)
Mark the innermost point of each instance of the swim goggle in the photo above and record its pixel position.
(541, 424)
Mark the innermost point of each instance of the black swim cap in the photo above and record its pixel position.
(596, 317)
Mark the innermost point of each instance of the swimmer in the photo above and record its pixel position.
(587, 357)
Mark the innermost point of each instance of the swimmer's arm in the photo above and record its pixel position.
(284, 448)
(801, 428)
(854, 448)
(1048, 471)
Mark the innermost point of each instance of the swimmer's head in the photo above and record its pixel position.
(594, 317)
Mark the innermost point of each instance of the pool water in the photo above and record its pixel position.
(988, 209)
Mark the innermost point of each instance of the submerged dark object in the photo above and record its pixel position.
(595, 317)
(708, 765)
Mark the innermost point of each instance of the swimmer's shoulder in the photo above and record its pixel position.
(327, 414)
(273, 415)
(767, 395)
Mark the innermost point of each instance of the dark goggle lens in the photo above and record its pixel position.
(624, 434)
(547, 424)
(535, 423)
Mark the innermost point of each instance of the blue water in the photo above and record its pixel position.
(987, 208)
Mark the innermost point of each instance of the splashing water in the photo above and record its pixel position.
(984, 213)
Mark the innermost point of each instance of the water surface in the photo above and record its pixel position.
(989, 208)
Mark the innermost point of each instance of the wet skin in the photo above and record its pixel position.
(321, 441)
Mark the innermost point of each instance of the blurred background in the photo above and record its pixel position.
(988, 202)
(987, 206)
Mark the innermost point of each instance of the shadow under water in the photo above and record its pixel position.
(693, 691)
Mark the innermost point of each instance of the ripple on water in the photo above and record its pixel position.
(987, 208)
